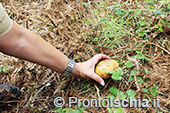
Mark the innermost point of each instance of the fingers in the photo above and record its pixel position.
(98, 79)
(102, 56)
(97, 57)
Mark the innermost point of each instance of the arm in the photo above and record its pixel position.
(22, 43)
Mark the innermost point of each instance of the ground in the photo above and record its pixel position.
(86, 28)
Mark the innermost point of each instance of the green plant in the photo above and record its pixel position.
(115, 93)
(4, 69)
(77, 56)
(129, 64)
(111, 26)
(117, 75)
(154, 91)
(70, 110)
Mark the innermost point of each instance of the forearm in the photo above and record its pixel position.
(29, 46)
(22, 43)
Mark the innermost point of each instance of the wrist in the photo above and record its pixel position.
(76, 70)
(69, 68)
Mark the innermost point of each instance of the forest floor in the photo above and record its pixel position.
(136, 34)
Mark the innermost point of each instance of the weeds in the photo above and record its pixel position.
(4, 69)
(116, 26)
(136, 35)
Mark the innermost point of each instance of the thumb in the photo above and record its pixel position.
(98, 79)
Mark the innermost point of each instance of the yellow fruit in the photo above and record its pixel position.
(105, 66)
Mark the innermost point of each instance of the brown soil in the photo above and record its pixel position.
(52, 19)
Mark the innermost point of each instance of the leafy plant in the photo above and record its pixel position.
(122, 95)
(154, 91)
(70, 110)
(117, 75)
(131, 93)
(4, 69)
(129, 64)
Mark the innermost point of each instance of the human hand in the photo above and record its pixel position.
(86, 69)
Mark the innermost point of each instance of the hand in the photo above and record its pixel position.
(86, 69)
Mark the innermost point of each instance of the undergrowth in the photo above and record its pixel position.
(133, 32)
(118, 25)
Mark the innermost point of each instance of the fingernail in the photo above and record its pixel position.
(102, 83)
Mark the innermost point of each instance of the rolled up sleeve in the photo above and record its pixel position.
(5, 22)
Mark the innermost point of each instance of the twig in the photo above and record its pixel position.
(106, 85)
(48, 84)
(159, 47)
(91, 9)
(12, 5)
(97, 90)
(60, 86)
(9, 101)
(67, 93)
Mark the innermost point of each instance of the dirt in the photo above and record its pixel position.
(53, 20)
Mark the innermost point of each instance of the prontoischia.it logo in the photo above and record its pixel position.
(131, 102)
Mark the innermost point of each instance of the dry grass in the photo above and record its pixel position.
(53, 20)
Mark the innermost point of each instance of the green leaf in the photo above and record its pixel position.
(66, 109)
(161, 29)
(141, 34)
(146, 79)
(129, 64)
(138, 52)
(123, 95)
(166, 108)
(145, 90)
(119, 110)
(146, 58)
(158, 12)
(79, 57)
(147, 72)
(139, 11)
(133, 72)
(114, 91)
(119, 71)
(154, 91)
(168, 7)
(139, 56)
(57, 109)
(142, 23)
(104, 20)
(131, 93)
(115, 76)
(74, 111)
(139, 80)
(163, 21)
(111, 95)
(85, 4)
(109, 110)
(5, 69)
(169, 25)
(83, 108)
(130, 78)
(156, 26)
(131, 97)
(128, 49)
(95, 39)
(77, 106)
(149, 1)
(111, 7)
